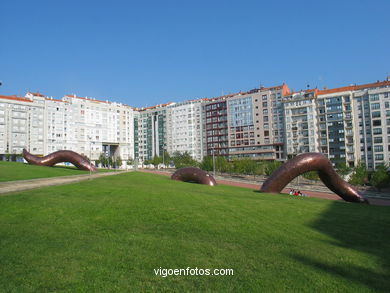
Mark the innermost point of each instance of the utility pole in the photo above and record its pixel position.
(90, 155)
(163, 156)
(213, 161)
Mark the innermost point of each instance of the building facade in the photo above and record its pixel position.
(216, 127)
(302, 129)
(185, 128)
(87, 126)
(348, 124)
(151, 130)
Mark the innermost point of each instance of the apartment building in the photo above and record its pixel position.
(371, 110)
(21, 124)
(151, 131)
(44, 125)
(347, 124)
(185, 128)
(336, 126)
(216, 127)
(302, 129)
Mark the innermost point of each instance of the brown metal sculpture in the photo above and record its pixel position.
(192, 174)
(312, 162)
(58, 157)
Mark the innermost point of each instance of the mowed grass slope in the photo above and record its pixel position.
(109, 234)
(10, 171)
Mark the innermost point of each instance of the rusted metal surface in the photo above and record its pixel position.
(59, 157)
(312, 162)
(192, 174)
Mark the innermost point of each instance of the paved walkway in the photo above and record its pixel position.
(20, 185)
(311, 193)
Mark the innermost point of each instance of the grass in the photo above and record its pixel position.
(10, 171)
(109, 234)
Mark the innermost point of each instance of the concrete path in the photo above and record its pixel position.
(312, 192)
(20, 185)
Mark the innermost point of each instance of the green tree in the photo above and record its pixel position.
(245, 166)
(109, 161)
(207, 163)
(182, 160)
(343, 169)
(260, 169)
(380, 178)
(167, 158)
(103, 160)
(221, 164)
(359, 175)
(117, 161)
(156, 161)
(311, 175)
(130, 161)
(272, 167)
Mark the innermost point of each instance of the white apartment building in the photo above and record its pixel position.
(21, 124)
(302, 134)
(348, 124)
(372, 124)
(87, 126)
(185, 128)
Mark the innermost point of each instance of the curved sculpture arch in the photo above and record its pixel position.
(192, 174)
(59, 157)
(312, 162)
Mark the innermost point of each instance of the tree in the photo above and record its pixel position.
(103, 160)
(130, 161)
(117, 161)
(182, 160)
(311, 175)
(221, 164)
(109, 161)
(156, 161)
(343, 169)
(245, 166)
(207, 163)
(272, 167)
(359, 175)
(167, 158)
(380, 178)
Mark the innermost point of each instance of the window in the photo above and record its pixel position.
(374, 97)
(378, 157)
(377, 130)
(375, 106)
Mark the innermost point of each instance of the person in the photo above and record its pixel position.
(291, 192)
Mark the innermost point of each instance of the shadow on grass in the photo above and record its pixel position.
(361, 228)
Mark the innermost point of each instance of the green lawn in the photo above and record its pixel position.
(109, 234)
(10, 171)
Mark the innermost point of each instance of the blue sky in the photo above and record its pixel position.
(148, 52)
